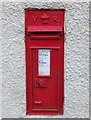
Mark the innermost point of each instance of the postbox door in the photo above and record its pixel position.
(45, 79)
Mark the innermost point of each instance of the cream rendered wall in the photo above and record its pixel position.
(76, 103)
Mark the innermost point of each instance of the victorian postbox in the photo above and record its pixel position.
(44, 42)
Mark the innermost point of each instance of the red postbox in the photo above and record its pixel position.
(44, 41)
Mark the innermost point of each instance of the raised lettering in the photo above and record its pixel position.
(35, 18)
(55, 19)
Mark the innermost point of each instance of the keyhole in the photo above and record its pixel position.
(38, 84)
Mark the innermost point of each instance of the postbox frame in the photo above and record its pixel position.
(29, 76)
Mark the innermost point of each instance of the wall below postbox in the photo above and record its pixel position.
(76, 58)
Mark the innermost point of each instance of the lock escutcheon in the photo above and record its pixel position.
(40, 83)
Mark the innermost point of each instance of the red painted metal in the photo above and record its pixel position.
(44, 29)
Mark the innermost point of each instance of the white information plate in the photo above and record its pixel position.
(44, 62)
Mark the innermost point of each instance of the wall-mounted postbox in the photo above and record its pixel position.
(44, 40)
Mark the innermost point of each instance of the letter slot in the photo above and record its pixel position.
(44, 32)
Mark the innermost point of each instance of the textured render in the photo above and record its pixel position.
(76, 103)
(90, 59)
(0, 63)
